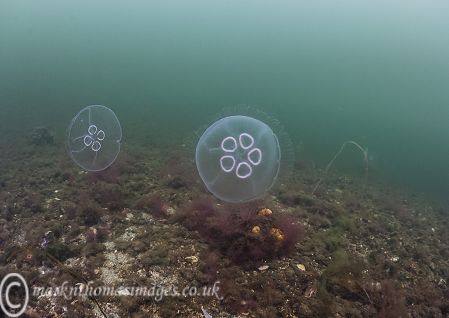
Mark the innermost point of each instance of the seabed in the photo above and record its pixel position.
(366, 249)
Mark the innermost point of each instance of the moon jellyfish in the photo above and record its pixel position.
(238, 158)
(94, 136)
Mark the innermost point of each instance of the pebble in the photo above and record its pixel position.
(301, 267)
(263, 268)
(170, 211)
(193, 259)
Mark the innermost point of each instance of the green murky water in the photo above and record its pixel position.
(374, 72)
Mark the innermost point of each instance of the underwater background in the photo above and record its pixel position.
(344, 233)
(373, 72)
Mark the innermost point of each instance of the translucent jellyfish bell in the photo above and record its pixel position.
(238, 158)
(93, 139)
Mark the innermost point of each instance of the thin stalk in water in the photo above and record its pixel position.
(329, 165)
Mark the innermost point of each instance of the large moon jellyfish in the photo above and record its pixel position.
(238, 158)
(94, 136)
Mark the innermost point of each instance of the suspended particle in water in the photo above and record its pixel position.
(93, 138)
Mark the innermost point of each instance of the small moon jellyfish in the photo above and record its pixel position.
(238, 158)
(93, 138)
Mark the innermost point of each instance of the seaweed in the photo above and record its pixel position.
(154, 204)
(392, 301)
(342, 277)
(89, 212)
(242, 232)
(108, 195)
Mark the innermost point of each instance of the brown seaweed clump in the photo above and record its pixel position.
(244, 233)
(153, 204)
